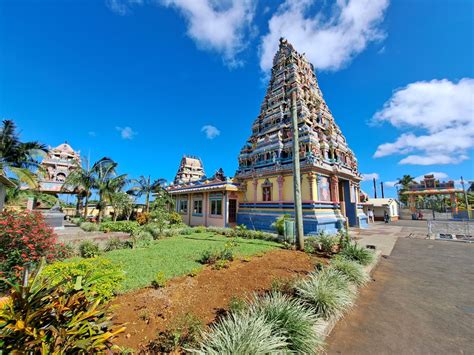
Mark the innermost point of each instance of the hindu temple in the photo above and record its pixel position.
(58, 164)
(262, 189)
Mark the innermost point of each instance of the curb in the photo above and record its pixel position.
(325, 327)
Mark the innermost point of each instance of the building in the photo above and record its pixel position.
(262, 189)
(58, 164)
(380, 205)
(330, 177)
(190, 169)
(207, 202)
(4, 183)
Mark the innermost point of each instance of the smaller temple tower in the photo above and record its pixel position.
(190, 169)
(58, 164)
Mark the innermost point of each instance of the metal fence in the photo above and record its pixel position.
(452, 230)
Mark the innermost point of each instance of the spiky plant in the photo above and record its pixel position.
(292, 319)
(241, 333)
(358, 253)
(328, 292)
(351, 269)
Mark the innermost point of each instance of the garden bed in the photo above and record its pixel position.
(205, 296)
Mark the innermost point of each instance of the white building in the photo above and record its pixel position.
(380, 205)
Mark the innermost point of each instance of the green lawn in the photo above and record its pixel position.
(176, 256)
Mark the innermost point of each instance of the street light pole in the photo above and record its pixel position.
(297, 176)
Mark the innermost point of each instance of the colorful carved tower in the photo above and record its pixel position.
(330, 178)
(190, 169)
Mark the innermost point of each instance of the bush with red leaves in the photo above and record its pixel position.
(25, 238)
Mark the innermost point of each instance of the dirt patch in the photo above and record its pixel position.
(149, 311)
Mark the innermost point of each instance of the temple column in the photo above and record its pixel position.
(311, 179)
(255, 190)
(454, 203)
(334, 181)
(411, 203)
(280, 181)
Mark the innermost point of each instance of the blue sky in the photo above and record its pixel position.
(145, 82)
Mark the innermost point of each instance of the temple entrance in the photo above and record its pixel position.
(347, 202)
(232, 211)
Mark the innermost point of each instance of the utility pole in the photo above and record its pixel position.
(375, 188)
(297, 175)
(381, 188)
(465, 197)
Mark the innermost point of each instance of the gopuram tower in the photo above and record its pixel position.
(330, 177)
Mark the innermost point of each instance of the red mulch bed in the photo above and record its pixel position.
(205, 296)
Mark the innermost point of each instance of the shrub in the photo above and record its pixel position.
(115, 244)
(358, 253)
(159, 281)
(241, 333)
(194, 272)
(351, 269)
(25, 238)
(89, 227)
(101, 277)
(141, 239)
(185, 332)
(285, 286)
(292, 320)
(175, 218)
(143, 218)
(328, 292)
(279, 224)
(89, 249)
(154, 229)
(64, 251)
(327, 243)
(169, 233)
(199, 229)
(77, 220)
(44, 317)
(211, 256)
(186, 231)
(221, 264)
(120, 226)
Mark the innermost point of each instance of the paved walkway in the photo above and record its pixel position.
(421, 302)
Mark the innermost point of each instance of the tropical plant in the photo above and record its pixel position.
(24, 239)
(328, 292)
(404, 184)
(144, 186)
(122, 204)
(160, 280)
(19, 158)
(107, 182)
(292, 319)
(120, 226)
(81, 180)
(89, 249)
(115, 243)
(89, 227)
(358, 253)
(99, 276)
(242, 333)
(352, 269)
(279, 224)
(47, 318)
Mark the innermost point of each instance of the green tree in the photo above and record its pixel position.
(19, 158)
(122, 204)
(81, 180)
(404, 185)
(144, 186)
(107, 182)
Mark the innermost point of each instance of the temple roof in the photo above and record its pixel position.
(322, 143)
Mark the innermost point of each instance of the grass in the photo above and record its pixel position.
(176, 256)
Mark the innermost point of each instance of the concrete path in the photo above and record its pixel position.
(421, 302)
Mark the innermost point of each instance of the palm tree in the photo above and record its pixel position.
(107, 182)
(144, 186)
(81, 180)
(16, 157)
(404, 184)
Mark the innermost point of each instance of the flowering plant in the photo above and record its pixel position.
(25, 238)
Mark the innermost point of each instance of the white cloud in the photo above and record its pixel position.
(222, 26)
(122, 7)
(370, 177)
(126, 132)
(390, 183)
(211, 132)
(330, 42)
(444, 110)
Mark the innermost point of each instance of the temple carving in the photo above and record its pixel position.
(190, 169)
